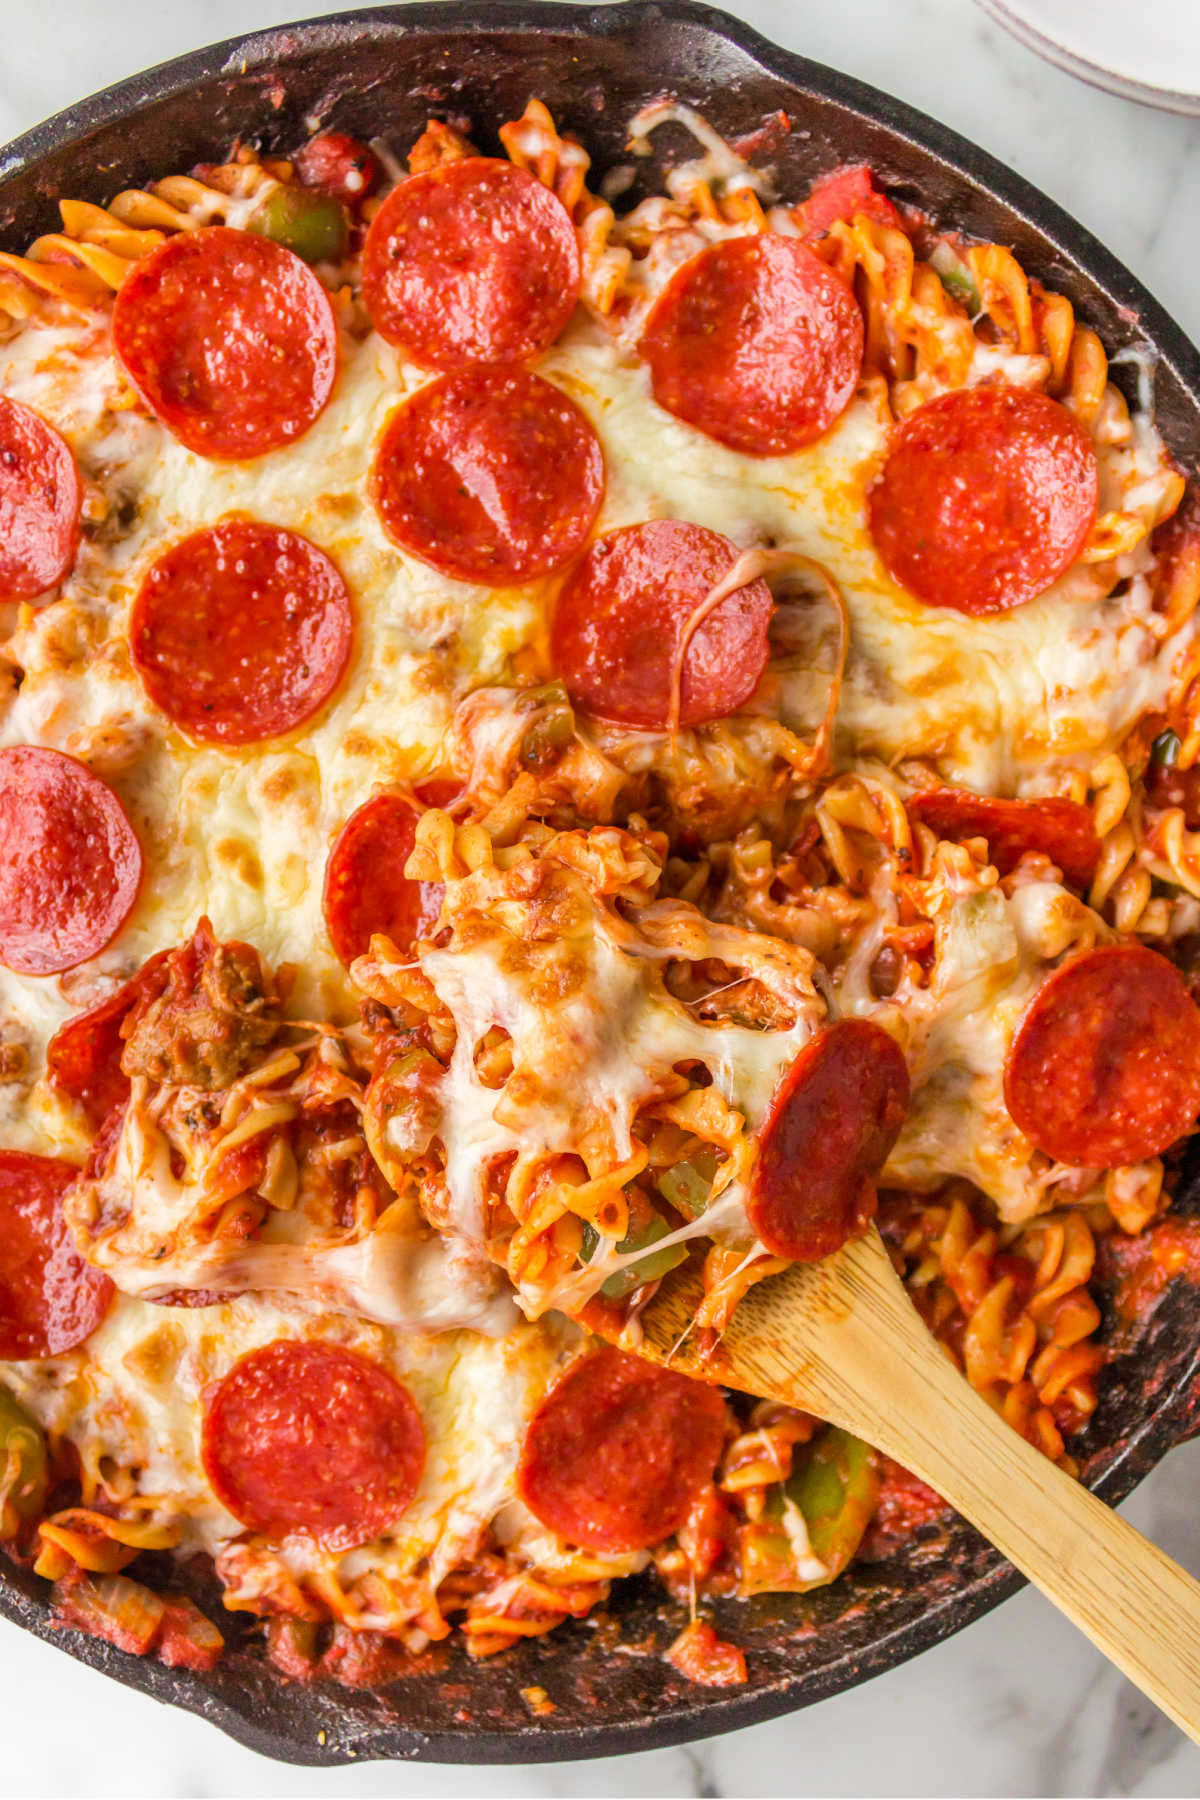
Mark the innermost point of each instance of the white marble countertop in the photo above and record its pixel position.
(1018, 1704)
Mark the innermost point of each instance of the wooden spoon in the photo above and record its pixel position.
(841, 1339)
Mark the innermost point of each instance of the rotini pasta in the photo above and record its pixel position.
(572, 695)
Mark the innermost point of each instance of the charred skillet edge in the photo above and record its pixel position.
(876, 1619)
(326, 1725)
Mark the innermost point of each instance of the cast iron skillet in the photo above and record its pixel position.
(381, 72)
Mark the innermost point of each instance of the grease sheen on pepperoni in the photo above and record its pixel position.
(313, 1438)
(489, 475)
(229, 338)
(40, 502)
(624, 610)
(241, 632)
(83, 1058)
(1104, 1066)
(831, 1127)
(366, 889)
(70, 862)
(50, 1298)
(472, 262)
(1060, 829)
(757, 343)
(618, 1450)
(987, 496)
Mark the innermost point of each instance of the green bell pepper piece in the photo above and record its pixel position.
(688, 1185)
(834, 1485)
(1165, 749)
(647, 1268)
(314, 225)
(551, 733)
(22, 1466)
(956, 277)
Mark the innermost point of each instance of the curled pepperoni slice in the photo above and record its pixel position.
(489, 475)
(50, 1298)
(1104, 1067)
(1060, 829)
(756, 343)
(312, 1438)
(628, 608)
(618, 1450)
(241, 632)
(83, 1058)
(366, 889)
(229, 338)
(70, 863)
(832, 1124)
(987, 495)
(40, 502)
(472, 262)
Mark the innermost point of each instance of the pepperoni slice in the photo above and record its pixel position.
(1060, 829)
(366, 889)
(309, 1437)
(50, 1298)
(83, 1058)
(489, 475)
(40, 502)
(70, 863)
(624, 612)
(472, 262)
(241, 632)
(1104, 1067)
(229, 338)
(987, 495)
(833, 1121)
(618, 1450)
(756, 343)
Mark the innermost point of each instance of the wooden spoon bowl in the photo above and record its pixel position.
(841, 1339)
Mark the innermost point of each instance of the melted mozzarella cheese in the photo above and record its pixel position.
(605, 1057)
(992, 954)
(994, 701)
(593, 1039)
(393, 1276)
(243, 834)
(137, 1398)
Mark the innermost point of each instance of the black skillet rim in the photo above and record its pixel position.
(1176, 1414)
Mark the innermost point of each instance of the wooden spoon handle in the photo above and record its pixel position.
(1140, 1608)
